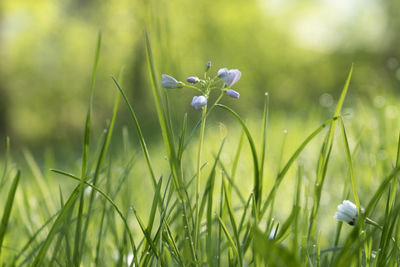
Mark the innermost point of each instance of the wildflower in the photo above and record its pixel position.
(232, 93)
(199, 101)
(347, 212)
(193, 79)
(169, 82)
(230, 77)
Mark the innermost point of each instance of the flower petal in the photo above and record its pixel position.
(234, 76)
(168, 81)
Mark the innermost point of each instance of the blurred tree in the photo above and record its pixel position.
(295, 50)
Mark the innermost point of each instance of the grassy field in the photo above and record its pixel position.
(252, 190)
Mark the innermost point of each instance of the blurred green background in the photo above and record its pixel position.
(298, 51)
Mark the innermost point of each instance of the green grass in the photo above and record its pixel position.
(254, 196)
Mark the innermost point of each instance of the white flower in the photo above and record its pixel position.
(169, 82)
(199, 101)
(230, 77)
(347, 212)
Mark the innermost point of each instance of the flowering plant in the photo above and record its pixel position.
(223, 81)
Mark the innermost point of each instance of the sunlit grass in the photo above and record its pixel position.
(269, 188)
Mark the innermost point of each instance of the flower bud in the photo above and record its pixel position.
(193, 79)
(347, 212)
(170, 82)
(208, 65)
(199, 101)
(232, 93)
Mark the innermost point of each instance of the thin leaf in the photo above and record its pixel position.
(8, 207)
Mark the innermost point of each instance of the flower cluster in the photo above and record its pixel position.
(223, 82)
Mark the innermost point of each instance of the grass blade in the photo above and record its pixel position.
(325, 155)
(289, 163)
(257, 179)
(109, 200)
(350, 163)
(85, 154)
(174, 163)
(233, 221)
(263, 141)
(8, 207)
(6, 159)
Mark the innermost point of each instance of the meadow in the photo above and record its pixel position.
(227, 190)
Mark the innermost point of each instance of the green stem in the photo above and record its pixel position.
(197, 221)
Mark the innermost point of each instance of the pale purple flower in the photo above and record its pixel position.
(232, 93)
(347, 212)
(230, 77)
(199, 101)
(193, 79)
(169, 82)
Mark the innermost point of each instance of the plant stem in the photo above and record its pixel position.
(197, 221)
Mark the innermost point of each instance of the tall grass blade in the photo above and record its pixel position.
(292, 159)
(6, 159)
(139, 133)
(263, 142)
(85, 154)
(325, 155)
(7, 208)
(232, 219)
(257, 179)
(350, 163)
(170, 148)
(229, 237)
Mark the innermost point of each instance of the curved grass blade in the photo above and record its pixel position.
(145, 232)
(110, 201)
(99, 165)
(139, 133)
(56, 225)
(8, 207)
(289, 163)
(257, 179)
(324, 159)
(232, 183)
